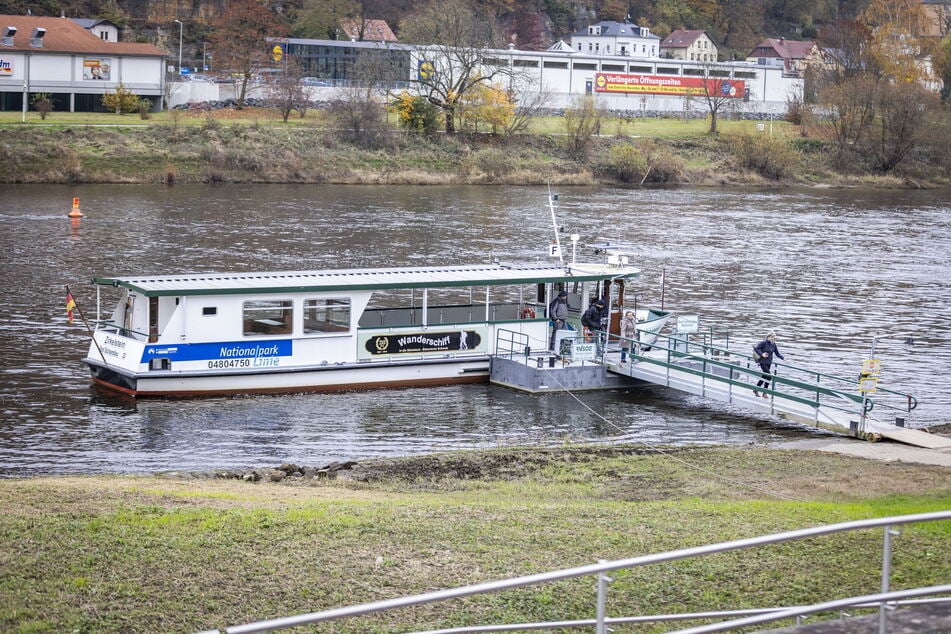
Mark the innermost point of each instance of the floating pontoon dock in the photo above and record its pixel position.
(698, 367)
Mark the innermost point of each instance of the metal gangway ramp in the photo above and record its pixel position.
(697, 366)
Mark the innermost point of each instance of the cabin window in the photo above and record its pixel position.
(209, 310)
(326, 315)
(268, 317)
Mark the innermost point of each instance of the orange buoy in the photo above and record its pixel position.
(75, 212)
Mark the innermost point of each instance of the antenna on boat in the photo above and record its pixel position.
(554, 223)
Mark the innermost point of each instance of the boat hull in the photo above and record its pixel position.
(335, 378)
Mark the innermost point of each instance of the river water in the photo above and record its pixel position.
(827, 269)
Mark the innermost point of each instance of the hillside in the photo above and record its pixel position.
(735, 25)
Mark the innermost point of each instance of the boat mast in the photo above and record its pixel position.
(554, 224)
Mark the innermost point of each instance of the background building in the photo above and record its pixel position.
(616, 38)
(75, 67)
(692, 45)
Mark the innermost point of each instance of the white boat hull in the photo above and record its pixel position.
(343, 377)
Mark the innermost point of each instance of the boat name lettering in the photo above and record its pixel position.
(256, 351)
(423, 340)
(118, 343)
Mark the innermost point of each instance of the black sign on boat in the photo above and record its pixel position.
(424, 342)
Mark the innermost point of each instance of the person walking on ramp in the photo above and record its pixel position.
(763, 353)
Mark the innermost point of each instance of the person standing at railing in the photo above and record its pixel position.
(763, 354)
(628, 334)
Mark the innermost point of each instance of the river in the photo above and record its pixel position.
(826, 269)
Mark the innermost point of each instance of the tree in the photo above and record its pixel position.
(239, 42)
(874, 101)
(452, 38)
(491, 105)
(527, 105)
(121, 101)
(359, 108)
(582, 121)
(942, 66)
(900, 124)
(718, 91)
(285, 91)
(415, 113)
(42, 103)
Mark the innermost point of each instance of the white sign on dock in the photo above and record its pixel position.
(583, 351)
(688, 324)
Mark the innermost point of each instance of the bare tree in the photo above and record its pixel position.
(452, 39)
(285, 91)
(239, 42)
(529, 103)
(718, 92)
(900, 125)
(359, 109)
(582, 122)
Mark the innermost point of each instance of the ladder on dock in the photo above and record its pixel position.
(802, 395)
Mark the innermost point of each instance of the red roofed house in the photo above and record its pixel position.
(357, 30)
(692, 45)
(795, 55)
(75, 67)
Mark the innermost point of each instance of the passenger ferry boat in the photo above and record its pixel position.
(298, 331)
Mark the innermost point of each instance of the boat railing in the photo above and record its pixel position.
(453, 314)
(884, 602)
(107, 325)
(801, 385)
(510, 344)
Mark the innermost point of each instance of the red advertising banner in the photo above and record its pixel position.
(665, 85)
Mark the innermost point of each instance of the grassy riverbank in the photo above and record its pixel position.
(174, 554)
(255, 146)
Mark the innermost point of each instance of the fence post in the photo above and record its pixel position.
(886, 573)
(603, 581)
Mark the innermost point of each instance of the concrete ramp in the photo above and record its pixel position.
(914, 437)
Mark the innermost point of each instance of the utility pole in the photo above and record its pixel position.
(181, 28)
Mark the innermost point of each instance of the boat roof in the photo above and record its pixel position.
(364, 279)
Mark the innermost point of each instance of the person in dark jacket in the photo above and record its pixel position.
(763, 353)
(558, 314)
(592, 318)
(595, 319)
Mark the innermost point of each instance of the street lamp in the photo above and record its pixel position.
(181, 28)
(772, 112)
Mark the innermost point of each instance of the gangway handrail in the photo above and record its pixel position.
(737, 369)
(747, 366)
(603, 567)
(728, 352)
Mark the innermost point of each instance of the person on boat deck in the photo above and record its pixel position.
(594, 319)
(558, 313)
(628, 333)
(764, 351)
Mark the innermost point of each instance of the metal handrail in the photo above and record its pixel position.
(604, 567)
(867, 402)
(684, 616)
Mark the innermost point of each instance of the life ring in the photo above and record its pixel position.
(527, 313)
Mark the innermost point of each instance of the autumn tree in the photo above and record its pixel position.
(451, 38)
(239, 42)
(491, 105)
(875, 101)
